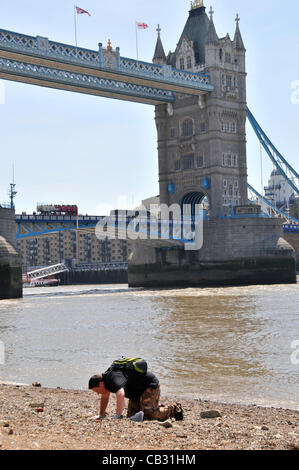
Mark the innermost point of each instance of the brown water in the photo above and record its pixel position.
(230, 344)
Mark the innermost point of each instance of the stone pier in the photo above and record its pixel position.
(10, 260)
(235, 252)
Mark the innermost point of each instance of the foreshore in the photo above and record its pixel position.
(33, 417)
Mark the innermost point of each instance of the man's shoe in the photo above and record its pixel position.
(138, 417)
(178, 412)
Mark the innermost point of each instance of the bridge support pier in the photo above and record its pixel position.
(243, 251)
(11, 285)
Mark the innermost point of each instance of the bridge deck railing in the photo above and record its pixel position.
(43, 47)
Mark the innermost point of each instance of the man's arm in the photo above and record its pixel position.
(120, 401)
(104, 403)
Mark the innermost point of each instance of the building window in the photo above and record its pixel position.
(182, 63)
(177, 165)
(189, 63)
(229, 81)
(230, 160)
(230, 127)
(203, 127)
(188, 162)
(234, 160)
(225, 183)
(172, 132)
(228, 57)
(200, 161)
(187, 128)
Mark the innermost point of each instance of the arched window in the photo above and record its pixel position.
(187, 127)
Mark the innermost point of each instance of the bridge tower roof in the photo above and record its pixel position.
(238, 41)
(212, 37)
(196, 29)
(159, 55)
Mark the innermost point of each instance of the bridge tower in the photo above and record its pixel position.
(202, 158)
(202, 142)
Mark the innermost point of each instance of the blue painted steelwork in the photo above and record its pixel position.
(66, 222)
(169, 229)
(56, 75)
(291, 228)
(278, 160)
(274, 208)
(104, 60)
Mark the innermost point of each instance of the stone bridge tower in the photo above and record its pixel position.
(202, 159)
(202, 142)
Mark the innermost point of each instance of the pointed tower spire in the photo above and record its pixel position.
(238, 41)
(212, 36)
(159, 56)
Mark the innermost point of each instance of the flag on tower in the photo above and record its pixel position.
(142, 25)
(80, 11)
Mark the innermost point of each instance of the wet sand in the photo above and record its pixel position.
(58, 419)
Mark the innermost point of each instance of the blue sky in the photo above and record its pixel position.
(101, 153)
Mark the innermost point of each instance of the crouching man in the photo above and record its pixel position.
(140, 387)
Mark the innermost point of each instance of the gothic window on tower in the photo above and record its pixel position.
(229, 81)
(189, 62)
(188, 161)
(182, 63)
(177, 165)
(187, 128)
(203, 127)
(228, 58)
(200, 161)
(233, 127)
(230, 127)
(230, 160)
(172, 132)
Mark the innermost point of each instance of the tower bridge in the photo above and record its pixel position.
(199, 94)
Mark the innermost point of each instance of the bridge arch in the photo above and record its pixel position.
(192, 199)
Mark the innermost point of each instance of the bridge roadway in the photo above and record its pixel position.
(38, 61)
(36, 225)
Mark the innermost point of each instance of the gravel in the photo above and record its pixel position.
(41, 418)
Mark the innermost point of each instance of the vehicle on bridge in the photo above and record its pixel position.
(57, 209)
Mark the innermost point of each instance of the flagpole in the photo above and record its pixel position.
(136, 39)
(75, 22)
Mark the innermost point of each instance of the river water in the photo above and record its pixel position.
(229, 344)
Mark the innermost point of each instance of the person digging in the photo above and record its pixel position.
(129, 378)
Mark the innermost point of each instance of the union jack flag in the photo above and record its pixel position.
(142, 26)
(80, 11)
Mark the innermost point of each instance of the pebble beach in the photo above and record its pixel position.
(33, 417)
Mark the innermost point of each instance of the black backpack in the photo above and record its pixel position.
(130, 363)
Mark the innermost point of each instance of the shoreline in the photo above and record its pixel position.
(54, 418)
(173, 397)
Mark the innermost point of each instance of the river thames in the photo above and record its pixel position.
(234, 344)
